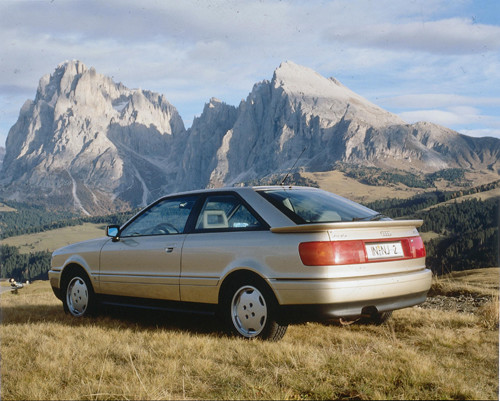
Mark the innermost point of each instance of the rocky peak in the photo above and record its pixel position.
(304, 81)
(97, 137)
(317, 95)
(204, 140)
(213, 103)
(60, 81)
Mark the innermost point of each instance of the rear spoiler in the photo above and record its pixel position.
(310, 228)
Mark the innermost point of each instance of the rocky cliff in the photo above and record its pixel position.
(88, 143)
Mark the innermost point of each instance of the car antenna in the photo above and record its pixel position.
(291, 168)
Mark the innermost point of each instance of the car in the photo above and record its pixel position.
(257, 258)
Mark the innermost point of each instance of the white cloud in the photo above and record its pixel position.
(441, 117)
(465, 119)
(438, 100)
(481, 132)
(447, 36)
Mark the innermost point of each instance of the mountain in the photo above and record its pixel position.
(2, 155)
(203, 142)
(299, 109)
(88, 143)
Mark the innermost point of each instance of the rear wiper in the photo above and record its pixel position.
(373, 217)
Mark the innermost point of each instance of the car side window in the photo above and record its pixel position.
(226, 212)
(165, 217)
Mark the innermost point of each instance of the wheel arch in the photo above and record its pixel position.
(240, 275)
(73, 268)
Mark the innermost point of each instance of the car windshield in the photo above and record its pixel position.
(305, 206)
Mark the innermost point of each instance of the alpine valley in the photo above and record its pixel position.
(88, 144)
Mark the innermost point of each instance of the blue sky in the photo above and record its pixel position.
(425, 60)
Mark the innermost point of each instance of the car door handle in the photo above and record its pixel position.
(170, 248)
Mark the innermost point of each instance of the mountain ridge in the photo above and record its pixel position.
(94, 145)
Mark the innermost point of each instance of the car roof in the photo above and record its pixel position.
(240, 189)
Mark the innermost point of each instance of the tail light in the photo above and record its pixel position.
(416, 248)
(324, 253)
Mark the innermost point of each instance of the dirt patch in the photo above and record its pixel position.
(461, 303)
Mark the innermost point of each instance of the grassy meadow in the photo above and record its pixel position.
(52, 239)
(123, 354)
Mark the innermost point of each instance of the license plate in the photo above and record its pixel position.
(384, 250)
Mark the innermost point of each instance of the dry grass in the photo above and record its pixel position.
(482, 196)
(338, 183)
(53, 239)
(477, 282)
(121, 354)
(488, 313)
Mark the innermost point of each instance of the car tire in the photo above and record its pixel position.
(78, 295)
(249, 310)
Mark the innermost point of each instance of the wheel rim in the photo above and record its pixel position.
(77, 296)
(249, 311)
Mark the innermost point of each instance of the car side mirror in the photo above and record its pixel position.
(113, 232)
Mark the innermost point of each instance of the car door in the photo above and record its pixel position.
(145, 260)
(227, 233)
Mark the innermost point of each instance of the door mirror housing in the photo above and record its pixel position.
(113, 231)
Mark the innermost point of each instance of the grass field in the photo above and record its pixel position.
(338, 183)
(53, 239)
(483, 196)
(122, 354)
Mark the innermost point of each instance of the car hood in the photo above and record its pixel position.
(83, 246)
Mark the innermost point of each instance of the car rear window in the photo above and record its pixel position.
(305, 206)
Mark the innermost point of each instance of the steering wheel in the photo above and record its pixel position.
(165, 228)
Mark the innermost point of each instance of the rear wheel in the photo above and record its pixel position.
(79, 297)
(249, 311)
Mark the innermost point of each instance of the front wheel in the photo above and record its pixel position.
(249, 310)
(78, 296)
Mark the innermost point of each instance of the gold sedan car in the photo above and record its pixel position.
(258, 257)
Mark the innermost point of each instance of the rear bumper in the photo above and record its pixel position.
(301, 313)
(343, 297)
